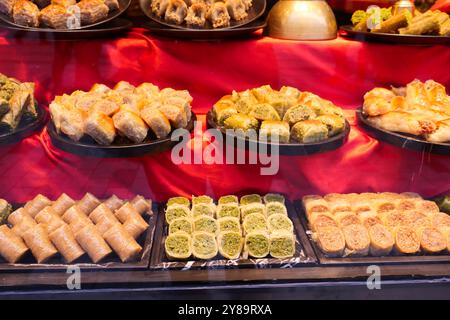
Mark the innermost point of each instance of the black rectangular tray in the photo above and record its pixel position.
(304, 254)
(386, 260)
(28, 263)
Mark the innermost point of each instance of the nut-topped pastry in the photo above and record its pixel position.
(26, 13)
(92, 11)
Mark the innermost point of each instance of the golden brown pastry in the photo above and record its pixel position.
(64, 240)
(135, 227)
(159, 7)
(105, 224)
(26, 13)
(12, 247)
(67, 119)
(130, 125)
(141, 204)
(64, 3)
(381, 240)
(156, 121)
(176, 11)
(407, 241)
(432, 240)
(6, 6)
(113, 203)
(331, 240)
(123, 244)
(100, 127)
(56, 17)
(236, 9)
(23, 226)
(403, 122)
(18, 216)
(50, 219)
(322, 220)
(102, 211)
(218, 15)
(62, 204)
(92, 242)
(357, 239)
(92, 11)
(88, 203)
(36, 238)
(196, 15)
(34, 206)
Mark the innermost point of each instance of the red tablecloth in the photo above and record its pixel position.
(339, 70)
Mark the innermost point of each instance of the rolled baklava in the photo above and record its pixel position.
(228, 210)
(18, 216)
(229, 224)
(381, 240)
(280, 223)
(432, 240)
(93, 243)
(205, 224)
(204, 245)
(202, 200)
(407, 241)
(62, 204)
(322, 220)
(179, 201)
(276, 208)
(253, 208)
(230, 244)
(36, 238)
(255, 222)
(88, 203)
(12, 247)
(181, 224)
(331, 240)
(250, 198)
(135, 226)
(37, 204)
(257, 244)
(282, 245)
(203, 209)
(122, 243)
(64, 240)
(177, 211)
(274, 197)
(50, 219)
(178, 245)
(357, 239)
(113, 203)
(228, 199)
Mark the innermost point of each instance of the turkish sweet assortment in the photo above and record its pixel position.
(17, 103)
(377, 224)
(252, 226)
(420, 109)
(429, 23)
(58, 14)
(285, 115)
(196, 13)
(124, 112)
(73, 229)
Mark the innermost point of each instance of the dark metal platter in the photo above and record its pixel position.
(256, 11)
(112, 262)
(121, 147)
(304, 254)
(391, 259)
(242, 31)
(25, 128)
(348, 32)
(286, 149)
(123, 6)
(107, 30)
(401, 140)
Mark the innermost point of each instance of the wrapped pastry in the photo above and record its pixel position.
(64, 3)
(148, 90)
(264, 111)
(334, 123)
(6, 6)
(62, 204)
(104, 224)
(177, 211)
(370, 218)
(407, 241)
(202, 200)
(244, 101)
(392, 24)
(218, 15)
(274, 131)
(248, 4)
(441, 221)
(177, 115)
(122, 243)
(298, 113)
(223, 109)
(205, 224)
(250, 198)
(236, 9)
(228, 199)
(180, 201)
(92, 11)
(309, 131)
(92, 242)
(181, 224)
(159, 7)
(64, 240)
(405, 204)
(88, 203)
(78, 225)
(12, 248)
(282, 245)
(157, 122)
(444, 29)
(230, 244)
(23, 226)
(381, 240)
(142, 205)
(26, 13)
(315, 204)
(74, 214)
(58, 17)
(113, 203)
(106, 106)
(383, 206)
(253, 208)
(432, 240)
(18, 216)
(347, 218)
(280, 223)
(428, 25)
(196, 15)
(339, 205)
(102, 211)
(50, 219)
(130, 125)
(36, 238)
(229, 224)
(417, 220)
(276, 208)
(322, 220)
(257, 244)
(37, 204)
(274, 197)
(178, 245)
(442, 133)
(204, 245)
(255, 222)
(228, 210)
(241, 123)
(128, 211)
(100, 127)
(176, 11)
(203, 209)
(357, 239)
(67, 120)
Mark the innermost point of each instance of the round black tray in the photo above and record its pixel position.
(123, 6)
(401, 140)
(288, 149)
(113, 28)
(246, 30)
(25, 128)
(120, 148)
(347, 31)
(256, 11)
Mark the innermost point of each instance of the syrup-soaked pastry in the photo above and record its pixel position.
(36, 238)
(178, 245)
(104, 224)
(102, 211)
(204, 245)
(113, 203)
(156, 121)
(432, 240)
(64, 240)
(236, 9)
(407, 241)
(225, 107)
(23, 226)
(441, 221)
(18, 216)
(88, 203)
(159, 7)
(50, 219)
(130, 125)
(128, 211)
(64, 3)
(6, 6)
(92, 242)
(405, 204)
(58, 17)
(315, 204)
(37, 204)
(135, 226)
(381, 240)
(370, 218)
(357, 239)
(176, 115)
(274, 131)
(196, 15)
(347, 218)
(26, 13)
(218, 15)
(176, 11)
(230, 244)
(122, 243)
(417, 220)
(12, 247)
(322, 220)
(141, 204)
(67, 119)
(100, 127)
(73, 214)
(62, 204)
(282, 245)
(92, 11)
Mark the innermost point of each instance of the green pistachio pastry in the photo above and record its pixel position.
(181, 224)
(178, 246)
(202, 200)
(203, 209)
(229, 224)
(253, 208)
(276, 208)
(228, 199)
(280, 222)
(273, 197)
(282, 245)
(251, 198)
(257, 244)
(204, 245)
(206, 224)
(230, 244)
(254, 222)
(228, 210)
(177, 211)
(179, 200)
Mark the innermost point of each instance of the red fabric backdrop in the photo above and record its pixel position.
(339, 70)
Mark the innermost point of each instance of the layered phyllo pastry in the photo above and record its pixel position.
(228, 199)
(252, 208)
(432, 240)
(257, 244)
(206, 224)
(196, 15)
(282, 245)
(407, 240)
(279, 222)
(237, 9)
(274, 131)
(229, 224)
(177, 211)
(273, 197)
(251, 198)
(230, 244)
(178, 246)
(203, 209)
(181, 224)
(179, 200)
(26, 13)
(241, 123)
(255, 222)
(202, 200)
(381, 240)
(331, 241)
(228, 210)
(357, 239)
(204, 245)
(275, 208)
(309, 131)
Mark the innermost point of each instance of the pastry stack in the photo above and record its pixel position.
(75, 228)
(233, 228)
(377, 224)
